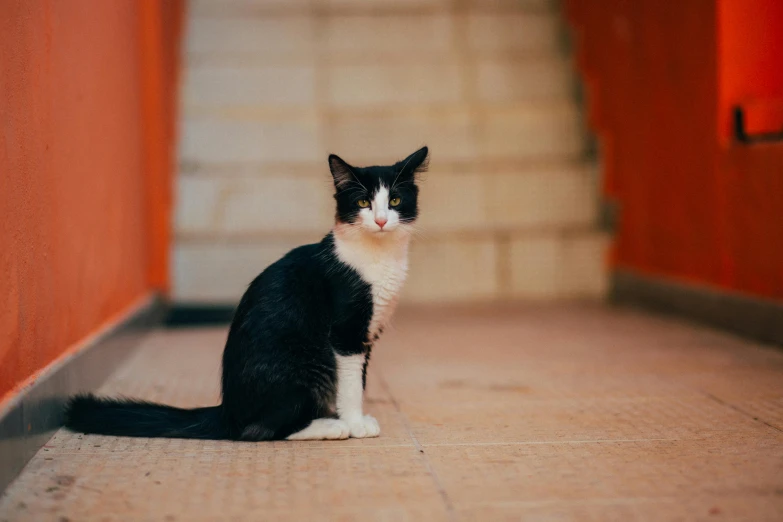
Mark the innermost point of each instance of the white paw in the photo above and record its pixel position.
(323, 429)
(364, 427)
(335, 429)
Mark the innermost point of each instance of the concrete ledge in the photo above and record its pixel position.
(757, 319)
(30, 419)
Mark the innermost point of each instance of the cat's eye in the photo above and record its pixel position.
(394, 202)
(363, 203)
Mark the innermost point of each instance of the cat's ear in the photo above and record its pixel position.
(341, 171)
(414, 164)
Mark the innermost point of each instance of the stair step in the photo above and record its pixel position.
(272, 86)
(451, 269)
(413, 36)
(272, 89)
(266, 8)
(555, 197)
(533, 267)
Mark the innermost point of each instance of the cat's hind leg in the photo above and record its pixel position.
(323, 429)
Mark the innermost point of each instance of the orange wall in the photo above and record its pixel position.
(76, 175)
(662, 77)
(750, 37)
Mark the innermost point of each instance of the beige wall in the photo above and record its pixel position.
(271, 87)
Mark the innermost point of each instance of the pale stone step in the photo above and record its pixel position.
(462, 269)
(504, 80)
(221, 8)
(262, 88)
(219, 272)
(281, 7)
(226, 86)
(219, 140)
(552, 197)
(399, 84)
(258, 36)
(555, 266)
(540, 267)
(316, 167)
(504, 32)
(369, 138)
(505, 5)
(453, 270)
(406, 35)
(527, 131)
(442, 269)
(279, 205)
(543, 130)
(198, 203)
(272, 86)
(381, 6)
(422, 34)
(546, 197)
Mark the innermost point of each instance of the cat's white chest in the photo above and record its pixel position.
(386, 280)
(384, 267)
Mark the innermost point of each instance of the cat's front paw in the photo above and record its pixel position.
(364, 427)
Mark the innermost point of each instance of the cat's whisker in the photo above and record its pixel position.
(355, 177)
(408, 159)
(422, 165)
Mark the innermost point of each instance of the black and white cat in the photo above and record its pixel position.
(295, 362)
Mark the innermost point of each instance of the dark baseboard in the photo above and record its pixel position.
(29, 421)
(199, 315)
(757, 319)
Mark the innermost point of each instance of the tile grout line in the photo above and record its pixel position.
(672, 380)
(417, 444)
(427, 464)
(720, 401)
(548, 442)
(740, 410)
(578, 502)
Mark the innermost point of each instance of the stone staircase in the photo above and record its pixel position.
(272, 86)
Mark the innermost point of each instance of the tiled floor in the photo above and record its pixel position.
(546, 413)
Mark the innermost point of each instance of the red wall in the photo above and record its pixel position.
(76, 175)
(663, 77)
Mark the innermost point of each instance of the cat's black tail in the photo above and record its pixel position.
(131, 418)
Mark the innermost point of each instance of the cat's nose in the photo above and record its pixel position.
(380, 221)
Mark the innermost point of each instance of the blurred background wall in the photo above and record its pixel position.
(698, 205)
(271, 87)
(86, 107)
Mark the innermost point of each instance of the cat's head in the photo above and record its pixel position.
(378, 200)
